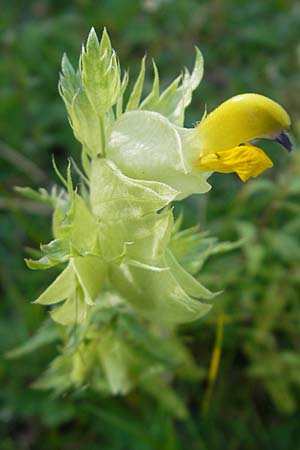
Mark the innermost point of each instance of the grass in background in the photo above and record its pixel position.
(254, 400)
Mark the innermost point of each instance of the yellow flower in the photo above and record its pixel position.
(225, 135)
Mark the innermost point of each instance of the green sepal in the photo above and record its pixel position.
(75, 224)
(152, 237)
(85, 123)
(74, 309)
(60, 289)
(46, 334)
(41, 196)
(83, 118)
(69, 82)
(115, 196)
(114, 356)
(44, 263)
(79, 284)
(119, 105)
(190, 284)
(128, 223)
(177, 96)
(143, 238)
(152, 98)
(90, 273)
(57, 251)
(156, 295)
(192, 248)
(135, 96)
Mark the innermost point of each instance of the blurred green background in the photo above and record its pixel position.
(247, 46)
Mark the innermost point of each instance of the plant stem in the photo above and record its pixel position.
(103, 136)
(214, 365)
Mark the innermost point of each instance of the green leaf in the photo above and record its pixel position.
(41, 195)
(83, 117)
(69, 82)
(150, 101)
(156, 295)
(57, 377)
(188, 283)
(91, 273)
(143, 239)
(85, 123)
(44, 263)
(58, 173)
(46, 334)
(73, 310)
(56, 249)
(151, 237)
(198, 70)
(57, 252)
(189, 83)
(119, 106)
(114, 358)
(128, 223)
(74, 223)
(60, 289)
(169, 99)
(79, 283)
(193, 248)
(283, 245)
(165, 395)
(176, 97)
(135, 96)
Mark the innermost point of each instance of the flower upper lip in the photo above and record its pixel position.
(227, 134)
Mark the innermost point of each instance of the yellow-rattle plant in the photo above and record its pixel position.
(127, 272)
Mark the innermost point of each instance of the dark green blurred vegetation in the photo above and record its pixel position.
(248, 46)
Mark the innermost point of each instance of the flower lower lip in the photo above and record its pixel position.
(284, 140)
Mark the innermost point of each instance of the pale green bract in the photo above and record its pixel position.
(146, 145)
(122, 280)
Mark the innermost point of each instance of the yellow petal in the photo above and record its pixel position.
(246, 160)
(241, 119)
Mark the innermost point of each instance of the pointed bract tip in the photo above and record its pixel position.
(92, 33)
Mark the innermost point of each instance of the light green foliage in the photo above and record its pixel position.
(47, 333)
(79, 284)
(126, 211)
(60, 289)
(192, 248)
(177, 96)
(116, 352)
(100, 72)
(90, 92)
(114, 196)
(128, 274)
(83, 118)
(113, 235)
(160, 295)
(146, 145)
(146, 142)
(136, 93)
(71, 220)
